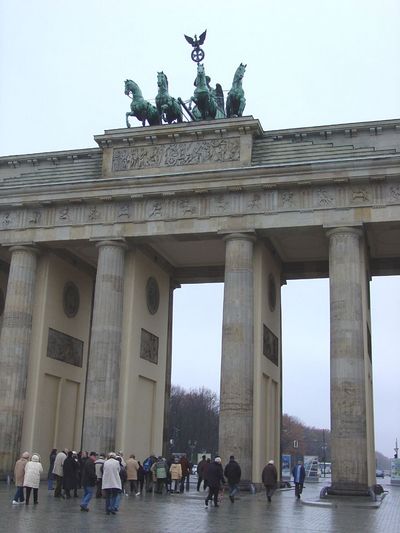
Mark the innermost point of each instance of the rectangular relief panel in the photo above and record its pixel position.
(64, 348)
(149, 346)
(270, 345)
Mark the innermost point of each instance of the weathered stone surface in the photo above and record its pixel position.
(237, 363)
(14, 351)
(100, 417)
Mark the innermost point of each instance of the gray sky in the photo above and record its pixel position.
(311, 62)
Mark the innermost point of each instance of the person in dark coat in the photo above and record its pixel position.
(215, 480)
(70, 478)
(200, 471)
(140, 476)
(89, 479)
(185, 473)
(50, 475)
(299, 474)
(270, 478)
(233, 474)
(205, 470)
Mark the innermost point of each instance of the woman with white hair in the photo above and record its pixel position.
(33, 469)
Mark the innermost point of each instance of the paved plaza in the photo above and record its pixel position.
(186, 514)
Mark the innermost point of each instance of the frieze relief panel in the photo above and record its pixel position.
(204, 205)
(175, 155)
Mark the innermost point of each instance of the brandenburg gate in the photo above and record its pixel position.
(94, 242)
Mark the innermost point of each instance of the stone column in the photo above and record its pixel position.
(14, 351)
(100, 416)
(237, 362)
(348, 396)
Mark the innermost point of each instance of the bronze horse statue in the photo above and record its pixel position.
(206, 104)
(235, 102)
(168, 108)
(140, 108)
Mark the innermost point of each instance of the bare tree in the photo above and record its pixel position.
(193, 421)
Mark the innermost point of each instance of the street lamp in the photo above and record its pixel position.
(192, 446)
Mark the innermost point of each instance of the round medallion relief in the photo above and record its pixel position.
(2, 301)
(271, 292)
(152, 296)
(70, 299)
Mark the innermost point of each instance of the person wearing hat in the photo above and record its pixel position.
(33, 469)
(215, 480)
(19, 473)
(89, 479)
(270, 478)
(176, 474)
(111, 482)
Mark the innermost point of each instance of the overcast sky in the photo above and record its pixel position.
(62, 71)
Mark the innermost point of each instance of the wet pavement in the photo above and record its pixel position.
(186, 513)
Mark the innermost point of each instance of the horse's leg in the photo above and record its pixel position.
(242, 106)
(127, 121)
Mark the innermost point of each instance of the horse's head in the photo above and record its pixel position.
(200, 80)
(240, 72)
(162, 80)
(132, 87)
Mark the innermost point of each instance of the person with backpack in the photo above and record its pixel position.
(160, 468)
(148, 474)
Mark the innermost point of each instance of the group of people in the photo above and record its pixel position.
(109, 475)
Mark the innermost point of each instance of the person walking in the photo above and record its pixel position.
(89, 479)
(185, 473)
(58, 471)
(233, 474)
(149, 475)
(215, 480)
(111, 482)
(270, 478)
(140, 476)
(205, 470)
(132, 467)
(19, 474)
(33, 469)
(299, 474)
(200, 472)
(176, 475)
(99, 474)
(50, 475)
(70, 474)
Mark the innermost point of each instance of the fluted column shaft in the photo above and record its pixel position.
(14, 351)
(348, 397)
(101, 403)
(237, 362)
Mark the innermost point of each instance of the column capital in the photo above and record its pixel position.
(340, 230)
(239, 235)
(24, 247)
(120, 243)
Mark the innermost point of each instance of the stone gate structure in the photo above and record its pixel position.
(94, 242)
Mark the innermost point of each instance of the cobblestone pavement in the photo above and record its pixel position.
(186, 513)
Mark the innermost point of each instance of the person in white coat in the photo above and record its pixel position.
(33, 469)
(111, 483)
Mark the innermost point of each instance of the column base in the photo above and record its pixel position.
(333, 490)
